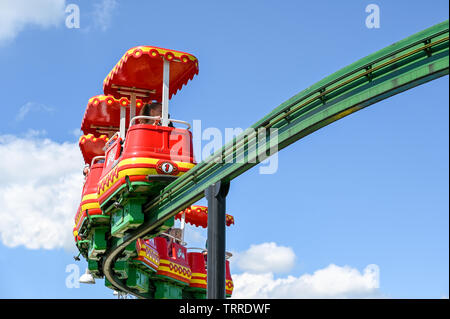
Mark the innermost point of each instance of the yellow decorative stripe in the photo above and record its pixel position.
(138, 160)
(84, 207)
(198, 274)
(163, 262)
(77, 220)
(91, 137)
(229, 285)
(111, 100)
(108, 182)
(164, 266)
(151, 258)
(89, 196)
(167, 269)
(151, 161)
(130, 172)
(146, 49)
(185, 165)
(89, 206)
(198, 281)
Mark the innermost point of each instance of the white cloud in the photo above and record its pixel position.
(31, 107)
(16, 15)
(265, 257)
(31, 133)
(40, 190)
(330, 282)
(195, 236)
(103, 12)
(261, 262)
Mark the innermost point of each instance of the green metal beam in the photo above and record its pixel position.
(415, 60)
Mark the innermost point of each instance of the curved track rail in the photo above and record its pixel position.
(415, 60)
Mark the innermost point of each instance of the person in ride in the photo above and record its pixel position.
(152, 109)
(85, 171)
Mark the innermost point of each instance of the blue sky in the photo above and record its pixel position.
(370, 189)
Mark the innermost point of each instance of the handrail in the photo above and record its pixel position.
(181, 122)
(228, 255)
(110, 141)
(158, 118)
(144, 117)
(96, 158)
(204, 250)
(182, 243)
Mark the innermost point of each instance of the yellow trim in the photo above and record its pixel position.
(198, 281)
(142, 253)
(91, 137)
(138, 160)
(78, 218)
(138, 170)
(175, 53)
(151, 161)
(89, 196)
(89, 206)
(167, 269)
(198, 274)
(129, 172)
(185, 165)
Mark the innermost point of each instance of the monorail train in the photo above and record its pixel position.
(129, 159)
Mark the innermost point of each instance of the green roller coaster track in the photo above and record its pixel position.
(410, 62)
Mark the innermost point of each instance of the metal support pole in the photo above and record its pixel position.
(216, 195)
(165, 93)
(183, 225)
(132, 105)
(122, 127)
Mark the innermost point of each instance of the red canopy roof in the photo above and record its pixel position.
(142, 68)
(92, 146)
(102, 114)
(198, 216)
